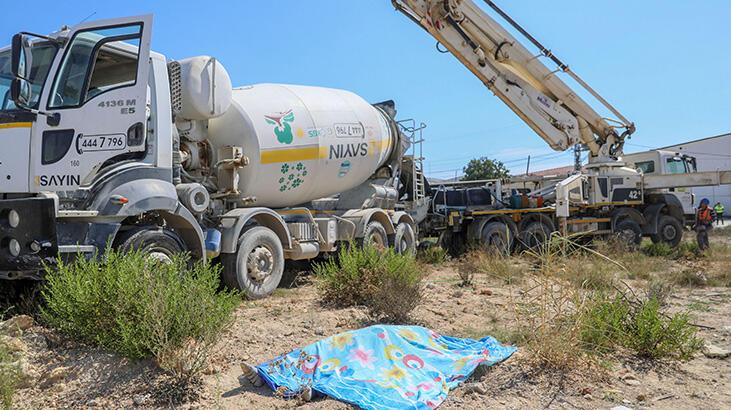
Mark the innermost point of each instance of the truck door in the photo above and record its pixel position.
(98, 92)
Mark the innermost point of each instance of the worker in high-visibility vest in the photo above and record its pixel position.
(703, 223)
(718, 208)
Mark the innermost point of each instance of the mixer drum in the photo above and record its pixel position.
(303, 143)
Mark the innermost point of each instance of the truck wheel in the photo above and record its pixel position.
(375, 235)
(159, 243)
(405, 240)
(452, 242)
(497, 238)
(535, 235)
(629, 231)
(669, 230)
(257, 266)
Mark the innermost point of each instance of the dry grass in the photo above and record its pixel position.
(589, 272)
(574, 311)
(547, 316)
(433, 255)
(11, 374)
(507, 270)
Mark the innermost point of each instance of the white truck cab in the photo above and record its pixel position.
(664, 162)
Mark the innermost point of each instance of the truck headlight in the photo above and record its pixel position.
(13, 218)
(14, 247)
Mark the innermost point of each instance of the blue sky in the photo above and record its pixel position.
(665, 65)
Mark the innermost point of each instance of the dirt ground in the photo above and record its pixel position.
(66, 374)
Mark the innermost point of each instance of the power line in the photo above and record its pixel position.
(520, 161)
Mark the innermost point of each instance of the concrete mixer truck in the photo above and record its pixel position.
(105, 143)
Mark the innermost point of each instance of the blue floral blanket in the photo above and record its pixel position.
(383, 367)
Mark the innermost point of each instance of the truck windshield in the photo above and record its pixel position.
(676, 165)
(42, 53)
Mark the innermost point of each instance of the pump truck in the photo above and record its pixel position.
(106, 143)
(609, 197)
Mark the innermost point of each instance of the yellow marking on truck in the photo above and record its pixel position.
(512, 211)
(292, 154)
(587, 221)
(293, 212)
(379, 145)
(307, 153)
(16, 125)
(600, 204)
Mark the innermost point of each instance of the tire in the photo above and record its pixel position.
(374, 234)
(497, 238)
(258, 264)
(453, 242)
(535, 235)
(669, 230)
(160, 243)
(405, 239)
(629, 232)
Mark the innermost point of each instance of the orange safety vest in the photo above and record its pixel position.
(704, 216)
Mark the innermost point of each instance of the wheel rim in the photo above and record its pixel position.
(404, 245)
(260, 263)
(627, 235)
(669, 232)
(160, 256)
(376, 240)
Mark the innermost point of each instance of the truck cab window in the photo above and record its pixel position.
(96, 61)
(647, 167)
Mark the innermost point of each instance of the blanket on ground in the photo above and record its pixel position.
(383, 367)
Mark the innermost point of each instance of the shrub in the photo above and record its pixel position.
(387, 283)
(641, 327)
(10, 376)
(433, 255)
(657, 249)
(140, 307)
(687, 250)
(602, 324)
(654, 335)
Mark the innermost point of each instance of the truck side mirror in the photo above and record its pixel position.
(20, 91)
(16, 50)
(20, 87)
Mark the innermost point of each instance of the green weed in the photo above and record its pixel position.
(387, 283)
(140, 307)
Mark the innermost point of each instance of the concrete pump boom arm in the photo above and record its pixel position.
(519, 78)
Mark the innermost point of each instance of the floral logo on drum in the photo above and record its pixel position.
(292, 176)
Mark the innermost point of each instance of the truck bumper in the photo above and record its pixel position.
(27, 236)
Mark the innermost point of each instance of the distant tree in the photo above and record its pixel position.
(484, 168)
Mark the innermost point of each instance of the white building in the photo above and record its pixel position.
(712, 154)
